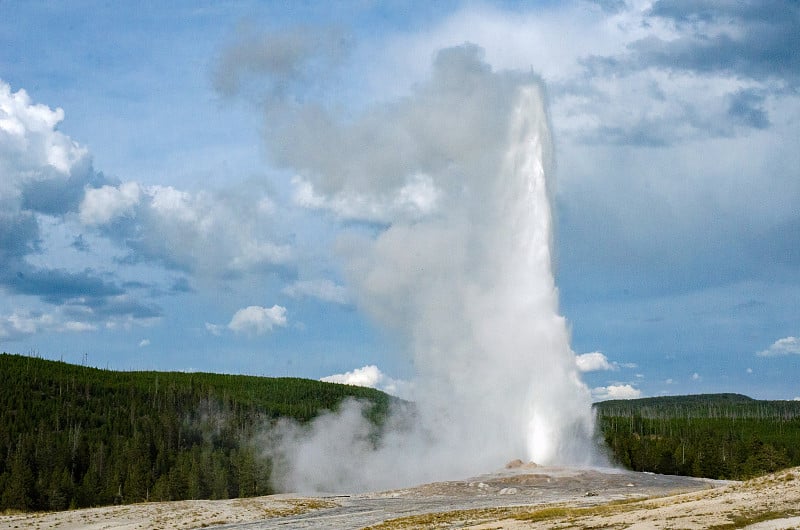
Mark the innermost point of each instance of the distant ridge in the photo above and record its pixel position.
(686, 399)
(700, 406)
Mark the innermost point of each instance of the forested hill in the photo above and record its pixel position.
(728, 436)
(700, 406)
(78, 436)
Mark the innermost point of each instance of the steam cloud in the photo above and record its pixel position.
(456, 174)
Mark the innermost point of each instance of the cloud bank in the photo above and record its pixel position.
(49, 187)
(45, 176)
(177, 228)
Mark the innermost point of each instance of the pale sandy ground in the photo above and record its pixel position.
(512, 499)
(766, 503)
(182, 515)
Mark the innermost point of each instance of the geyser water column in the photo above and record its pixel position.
(457, 174)
(559, 422)
(530, 339)
(472, 289)
(497, 374)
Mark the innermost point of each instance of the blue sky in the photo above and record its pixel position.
(157, 211)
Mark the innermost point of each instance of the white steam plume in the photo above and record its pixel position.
(471, 288)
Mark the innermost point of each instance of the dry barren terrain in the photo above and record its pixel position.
(518, 497)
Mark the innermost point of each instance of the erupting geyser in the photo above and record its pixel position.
(463, 272)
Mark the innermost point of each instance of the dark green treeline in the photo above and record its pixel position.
(725, 436)
(73, 436)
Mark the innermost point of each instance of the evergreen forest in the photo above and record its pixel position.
(73, 436)
(722, 436)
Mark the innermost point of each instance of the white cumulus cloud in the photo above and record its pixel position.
(372, 377)
(594, 362)
(785, 346)
(104, 204)
(368, 376)
(626, 391)
(177, 227)
(29, 139)
(257, 320)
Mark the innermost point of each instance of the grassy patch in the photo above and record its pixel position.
(743, 520)
(545, 514)
(298, 506)
(569, 512)
(446, 519)
(519, 513)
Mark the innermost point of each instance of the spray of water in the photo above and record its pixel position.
(470, 285)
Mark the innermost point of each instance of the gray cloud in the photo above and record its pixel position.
(56, 195)
(57, 286)
(79, 243)
(278, 65)
(83, 295)
(19, 235)
(746, 108)
(689, 12)
(760, 39)
(181, 285)
(610, 6)
(697, 69)
(105, 307)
